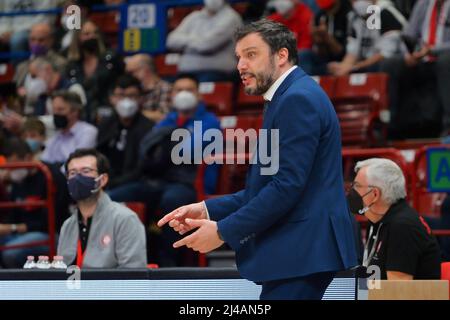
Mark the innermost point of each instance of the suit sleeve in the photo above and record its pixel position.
(299, 133)
(219, 208)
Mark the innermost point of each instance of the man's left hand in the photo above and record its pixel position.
(204, 240)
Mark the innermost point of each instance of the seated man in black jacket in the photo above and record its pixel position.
(23, 225)
(121, 133)
(399, 242)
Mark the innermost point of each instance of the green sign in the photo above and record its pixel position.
(438, 160)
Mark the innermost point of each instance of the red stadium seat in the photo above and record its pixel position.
(218, 96)
(240, 7)
(445, 272)
(167, 64)
(240, 141)
(360, 101)
(108, 22)
(248, 103)
(239, 122)
(231, 176)
(139, 208)
(176, 14)
(328, 84)
(6, 73)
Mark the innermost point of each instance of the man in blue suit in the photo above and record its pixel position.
(291, 230)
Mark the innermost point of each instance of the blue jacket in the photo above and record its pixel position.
(209, 121)
(296, 222)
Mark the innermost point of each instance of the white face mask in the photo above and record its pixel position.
(34, 87)
(18, 175)
(283, 6)
(127, 108)
(361, 6)
(214, 5)
(184, 100)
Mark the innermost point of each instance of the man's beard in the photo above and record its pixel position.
(263, 81)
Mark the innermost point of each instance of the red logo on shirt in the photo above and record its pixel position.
(106, 240)
(425, 225)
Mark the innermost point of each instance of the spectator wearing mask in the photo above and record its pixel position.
(299, 18)
(366, 47)
(156, 91)
(329, 34)
(100, 233)
(33, 132)
(41, 82)
(41, 43)
(15, 30)
(23, 225)
(188, 108)
(94, 67)
(205, 39)
(121, 133)
(72, 133)
(425, 61)
(168, 186)
(399, 241)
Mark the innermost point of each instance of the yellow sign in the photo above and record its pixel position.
(132, 40)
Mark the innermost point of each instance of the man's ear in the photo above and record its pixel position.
(283, 56)
(377, 194)
(104, 180)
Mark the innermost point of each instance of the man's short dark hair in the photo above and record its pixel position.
(275, 34)
(33, 124)
(102, 162)
(127, 81)
(16, 146)
(72, 98)
(190, 76)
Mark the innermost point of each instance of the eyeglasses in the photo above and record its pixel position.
(357, 185)
(86, 171)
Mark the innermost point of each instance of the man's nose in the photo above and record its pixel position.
(242, 65)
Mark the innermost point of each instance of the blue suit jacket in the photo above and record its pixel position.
(296, 222)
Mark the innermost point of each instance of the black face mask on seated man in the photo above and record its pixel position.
(60, 121)
(355, 202)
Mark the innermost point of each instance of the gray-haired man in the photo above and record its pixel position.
(399, 241)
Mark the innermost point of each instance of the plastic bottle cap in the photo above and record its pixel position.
(30, 257)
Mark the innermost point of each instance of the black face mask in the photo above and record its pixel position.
(355, 202)
(60, 121)
(90, 45)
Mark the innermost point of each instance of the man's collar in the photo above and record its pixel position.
(72, 129)
(393, 210)
(273, 88)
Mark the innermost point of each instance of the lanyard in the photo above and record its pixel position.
(368, 255)
(80, 254)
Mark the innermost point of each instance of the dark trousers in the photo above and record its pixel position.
(310, 287)
(166, 197)
(405, 79)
